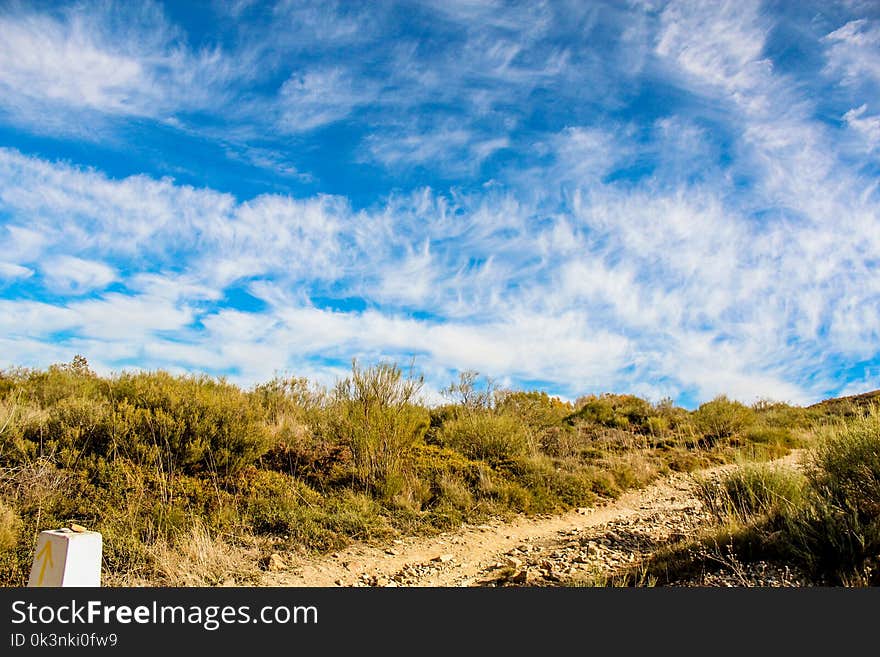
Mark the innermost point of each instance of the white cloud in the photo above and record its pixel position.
(70, 275)
(172, 287)
(867, 125)
(121, 317)
(586, 154)
(718, 45)
(82, 212)
(410, 279)
(10, 271)
(486, 148)
(314, 98)
(42, 58)
(64, 72)
(410, 147)
(741, 258)
(113, 317)
(854, 52)
(33, 319)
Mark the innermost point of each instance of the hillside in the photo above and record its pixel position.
(848, 405)
(194, 481)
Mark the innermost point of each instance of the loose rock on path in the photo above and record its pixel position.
(585, 544)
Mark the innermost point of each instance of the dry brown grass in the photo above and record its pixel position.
(197, 558)
(10, 525)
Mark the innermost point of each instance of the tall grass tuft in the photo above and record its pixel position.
(377, 415)
(753, 491)
(826, 520)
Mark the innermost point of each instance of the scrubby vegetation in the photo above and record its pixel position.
(823, 518)
(193, 480)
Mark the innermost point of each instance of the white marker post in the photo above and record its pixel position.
(65, 557)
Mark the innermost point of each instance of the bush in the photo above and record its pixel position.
(154, 460)
(827, 521)
(487, 436)
(376, 415)
(551, 487)
(271, 501)
(537, 410)
(293, 397)
(302, 454)
(615, 411)
(563, 441)
(753, 491)
(847, 468)
(190, 424)
(75, 427)
(722, 418)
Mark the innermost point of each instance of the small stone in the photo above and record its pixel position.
(77, 528)
(443, 558)
(276, 563)
(522, 577)
(513, 562)
(392, 552)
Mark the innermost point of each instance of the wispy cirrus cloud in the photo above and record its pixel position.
(64, 71)
(64, 274)
(10, 271)
(650, 197)
(854, 54)
(318, 97)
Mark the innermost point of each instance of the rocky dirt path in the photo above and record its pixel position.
(543, 551)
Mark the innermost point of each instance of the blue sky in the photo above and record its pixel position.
(666, 198)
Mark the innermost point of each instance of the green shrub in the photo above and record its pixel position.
(670, 421)
(722, 418)
(76, 427)
(537, 410)
(189, 424)
(769, 435)
(847, 467)
(753, 490)
(292, 397)
(614, 411)
(827, 521)
(550, 486)
(563, 441)
(487, 436)
(57, 382)
(153, 459)
(376, 414)
(658, 425)
(272, 501)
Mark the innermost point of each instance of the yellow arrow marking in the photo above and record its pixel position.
(46, 554)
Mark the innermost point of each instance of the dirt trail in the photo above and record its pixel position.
(539, 550)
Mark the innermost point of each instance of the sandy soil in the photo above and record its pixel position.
(539, 550)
